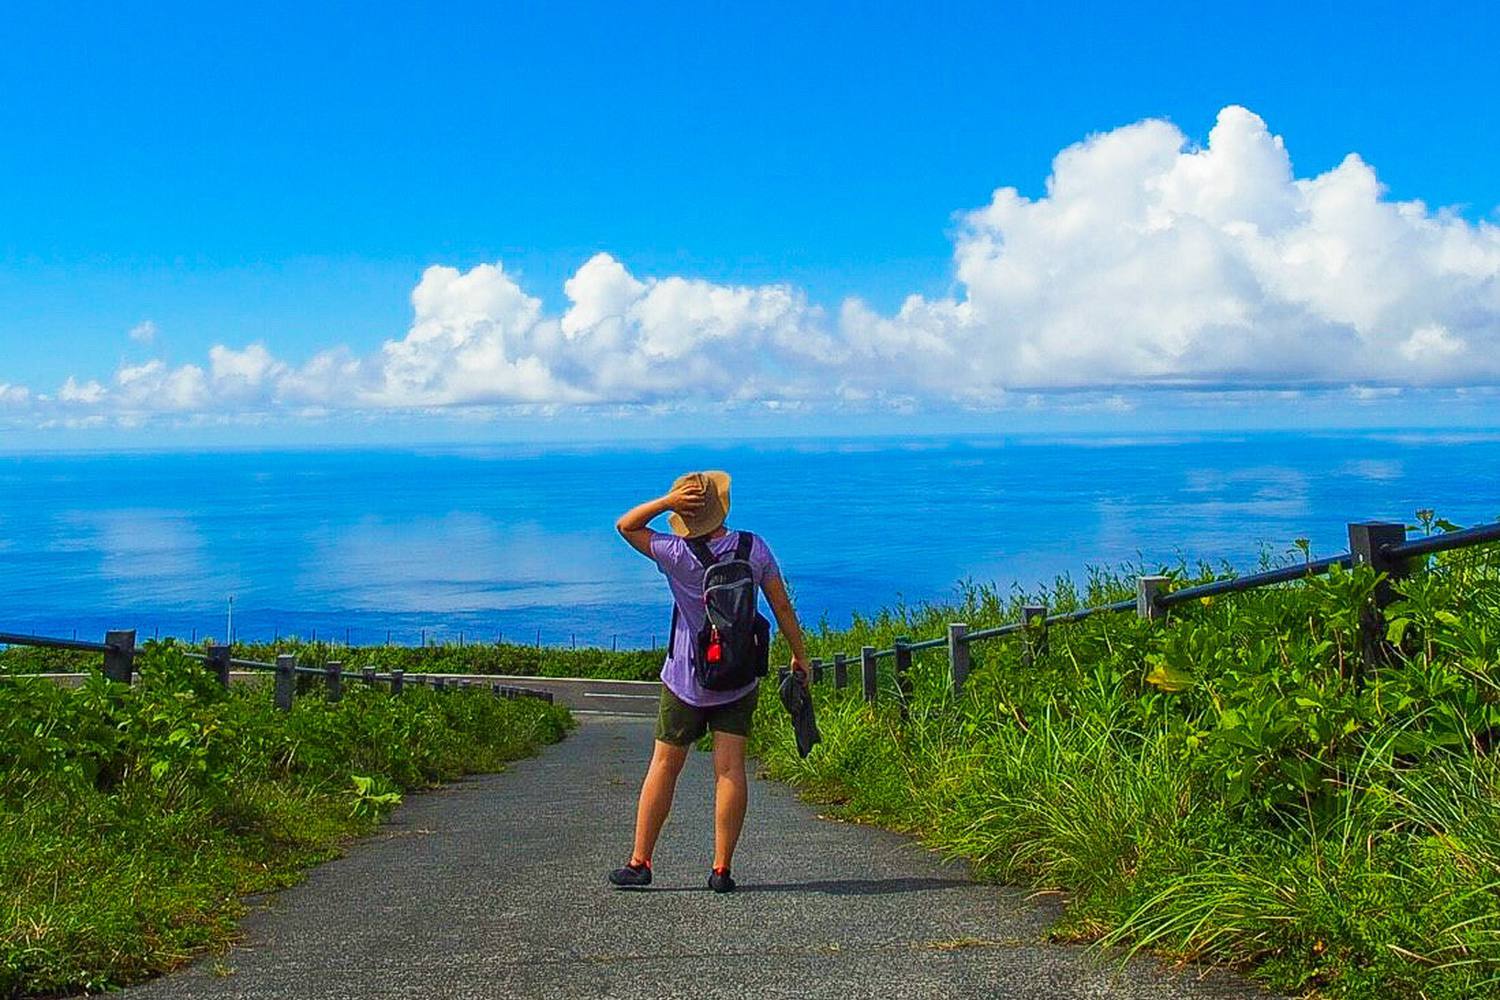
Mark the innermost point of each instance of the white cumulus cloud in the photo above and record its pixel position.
(1148, 261)
(143, 332)
(73, 391)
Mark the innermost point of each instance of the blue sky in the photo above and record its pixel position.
(284, 177)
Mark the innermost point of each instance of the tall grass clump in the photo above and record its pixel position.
(1230, 786)
(133, 819)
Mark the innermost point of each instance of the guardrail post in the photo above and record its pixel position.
(333, 672)
(119, 662)
(817, 670)
(286, 680)
(437, 683)
(1034, 628)
(867, 672)
(840, 671)
(903, 672)
(218, 661)
(495, 687)
(1367, 544)
(368, 674)
(1148, 591)
(958, 655)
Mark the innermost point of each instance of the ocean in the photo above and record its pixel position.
(517, 541)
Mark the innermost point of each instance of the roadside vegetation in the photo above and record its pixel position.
(486, 658)
(1225, 786)
(133, 820)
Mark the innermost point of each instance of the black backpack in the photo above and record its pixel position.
(733, 647)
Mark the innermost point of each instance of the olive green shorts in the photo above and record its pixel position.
(681, 724)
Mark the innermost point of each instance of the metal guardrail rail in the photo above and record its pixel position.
(119, 656)
(1382, 545)
(16, 639)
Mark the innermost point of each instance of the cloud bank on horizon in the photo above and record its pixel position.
(1148, 262)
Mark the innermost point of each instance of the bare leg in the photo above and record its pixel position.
(730, 795)
(656, 797)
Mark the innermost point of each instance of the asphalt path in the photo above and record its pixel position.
(495, 887)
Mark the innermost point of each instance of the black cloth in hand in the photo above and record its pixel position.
(798, 702)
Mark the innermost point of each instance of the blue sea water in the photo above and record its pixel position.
(518, 541)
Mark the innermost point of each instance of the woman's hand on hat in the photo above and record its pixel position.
(685, 499)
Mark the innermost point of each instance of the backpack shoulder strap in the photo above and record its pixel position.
(703, 552)
(743, 546)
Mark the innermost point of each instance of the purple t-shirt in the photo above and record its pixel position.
(684, 575)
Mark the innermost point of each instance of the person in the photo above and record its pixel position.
(699, 504)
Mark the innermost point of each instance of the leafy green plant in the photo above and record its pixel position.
(373, 796)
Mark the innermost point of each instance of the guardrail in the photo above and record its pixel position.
(119, 652)
(1379, 544)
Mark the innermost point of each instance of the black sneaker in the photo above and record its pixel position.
(719, 880)
(635, 875)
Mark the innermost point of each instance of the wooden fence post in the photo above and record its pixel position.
(333, 673)
(218, 662)
(368, 674)
(958, 655)
(1367, 544)
(398, 680)
(903, 673)
(1034, 622)
(286, 680)
(119, 662)
(817, 670)
(840, 671)
(867, 672)
(1148, 591)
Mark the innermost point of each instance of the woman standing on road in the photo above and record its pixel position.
(706, 685)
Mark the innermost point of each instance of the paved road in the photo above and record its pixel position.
(494, 887)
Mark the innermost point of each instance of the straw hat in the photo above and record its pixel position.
(715, 504)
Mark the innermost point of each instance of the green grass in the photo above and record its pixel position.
(486, 658)
(1223, 787)
(133, 820)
